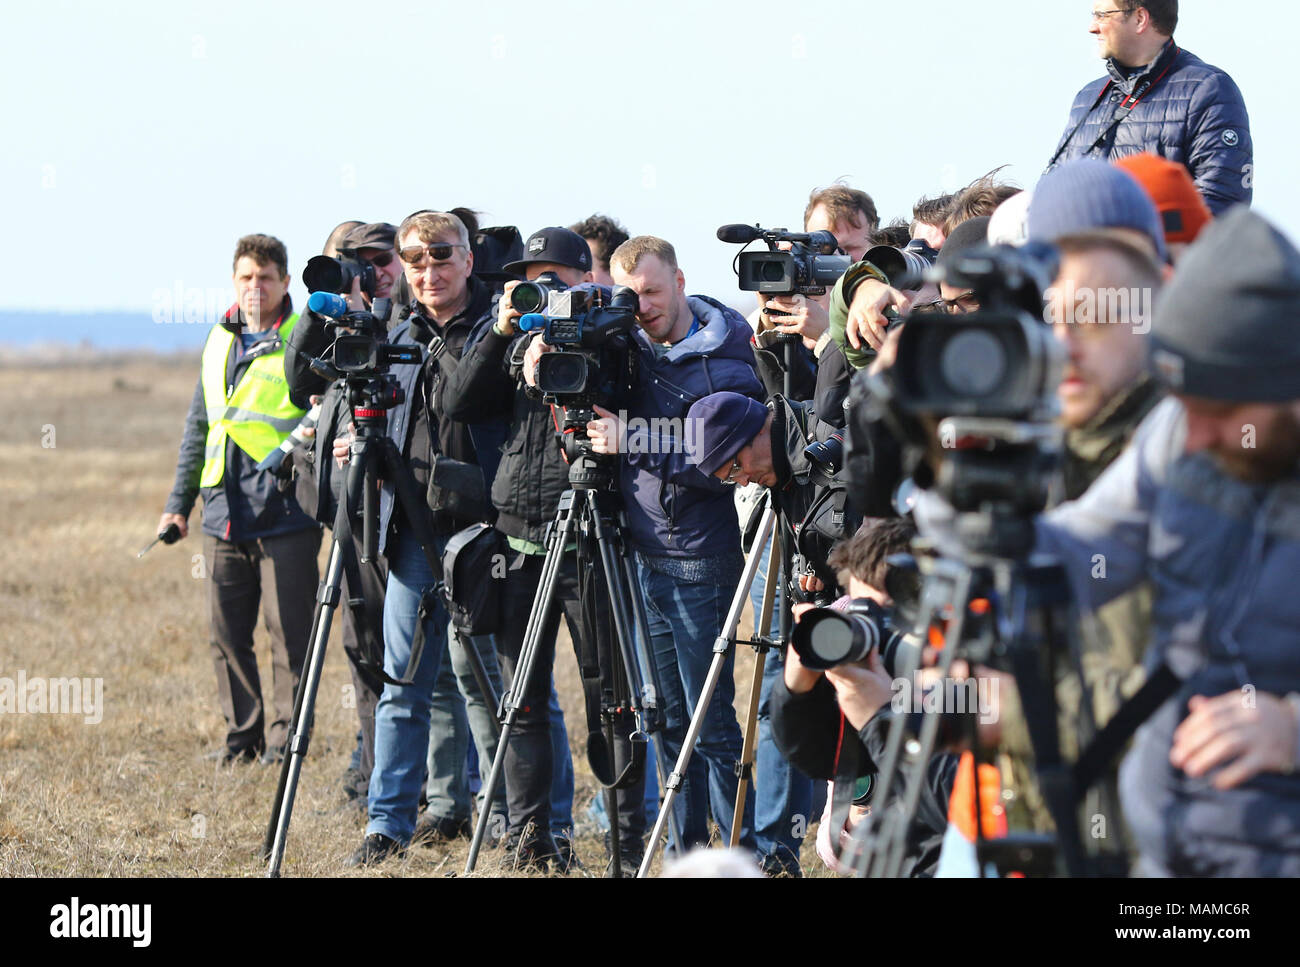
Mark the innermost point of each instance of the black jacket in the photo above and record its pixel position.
(421, 425)
(810, 731)
(247, 504)
(532, 473)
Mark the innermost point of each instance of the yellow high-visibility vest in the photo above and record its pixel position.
(256, 414)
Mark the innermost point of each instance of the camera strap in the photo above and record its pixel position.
(369, 655)
(1125, 109)
(1096, 758)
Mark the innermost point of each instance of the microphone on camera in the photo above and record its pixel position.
(327, 304)
(737, 234)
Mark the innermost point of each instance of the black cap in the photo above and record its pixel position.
(1225, 328)
(558, 245)
(374, 235)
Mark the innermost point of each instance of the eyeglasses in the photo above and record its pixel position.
(416, 254)
(382, 259)
(1099, 15)
(953, 307)
(734, 472)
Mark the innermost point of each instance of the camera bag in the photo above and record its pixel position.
(473, 567)
(458, 489)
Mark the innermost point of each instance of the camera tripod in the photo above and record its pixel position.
(373, 457)
(723, 646)
(589, 512)
(1025, 604)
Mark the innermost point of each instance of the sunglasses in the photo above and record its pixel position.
(416, 254)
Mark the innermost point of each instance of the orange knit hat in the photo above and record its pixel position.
(1182, 209)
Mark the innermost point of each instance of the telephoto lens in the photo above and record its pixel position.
(825, 638)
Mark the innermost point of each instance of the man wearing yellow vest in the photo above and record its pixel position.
(258, 545)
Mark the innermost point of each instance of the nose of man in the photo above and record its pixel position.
(1203, 432)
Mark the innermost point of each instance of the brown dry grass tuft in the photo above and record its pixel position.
(133, 794)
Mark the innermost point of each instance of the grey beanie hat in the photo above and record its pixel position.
(1228, 326)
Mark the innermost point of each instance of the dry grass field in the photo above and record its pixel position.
(87, 454)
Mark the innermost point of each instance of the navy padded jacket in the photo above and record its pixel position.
(1193, 113)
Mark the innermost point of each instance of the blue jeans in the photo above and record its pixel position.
(402, 716)
(460, 713)
(561, 773)
(684, 620)
(783, 794)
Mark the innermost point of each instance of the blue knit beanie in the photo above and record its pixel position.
(1086, 194)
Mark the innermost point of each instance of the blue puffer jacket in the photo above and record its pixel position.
(1222, 556)
(1192, 113)
(673, 509)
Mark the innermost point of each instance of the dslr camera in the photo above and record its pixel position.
(325, 273)
(825, 638)
(808, 267)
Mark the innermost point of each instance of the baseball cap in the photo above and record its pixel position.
(554, 244)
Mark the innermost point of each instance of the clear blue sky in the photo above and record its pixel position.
(145, 138)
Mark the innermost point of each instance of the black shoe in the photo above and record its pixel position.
(567, 860)
(529, 852)
(630, 853)
(229, 757)
(375, 849)
(441, 829)
(774, 866)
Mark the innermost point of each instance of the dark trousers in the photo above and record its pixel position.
(373, 579)
(529, 761)
(281, 575)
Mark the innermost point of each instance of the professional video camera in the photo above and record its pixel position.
(360, 353)
(808, 267)
(595, 359)
(325, 273)
(972, 397)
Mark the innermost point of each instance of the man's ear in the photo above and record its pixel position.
(681, 281)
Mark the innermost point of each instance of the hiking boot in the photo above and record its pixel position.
(431, 830)
(375, 848)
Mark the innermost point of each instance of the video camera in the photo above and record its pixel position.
(360, 352)
(972, 398)
(808, 267)
(595, 360)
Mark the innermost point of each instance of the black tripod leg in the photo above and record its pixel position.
(543, 602)
(722, 646)
(304, 713)
(646, 686)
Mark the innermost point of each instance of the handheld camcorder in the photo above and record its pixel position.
(591, 329)
(808, 267)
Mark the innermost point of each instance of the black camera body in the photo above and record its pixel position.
(809, 266)
(972, 398)
(325, 273)
(594, 360)
(825, 638)
(360, 351)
